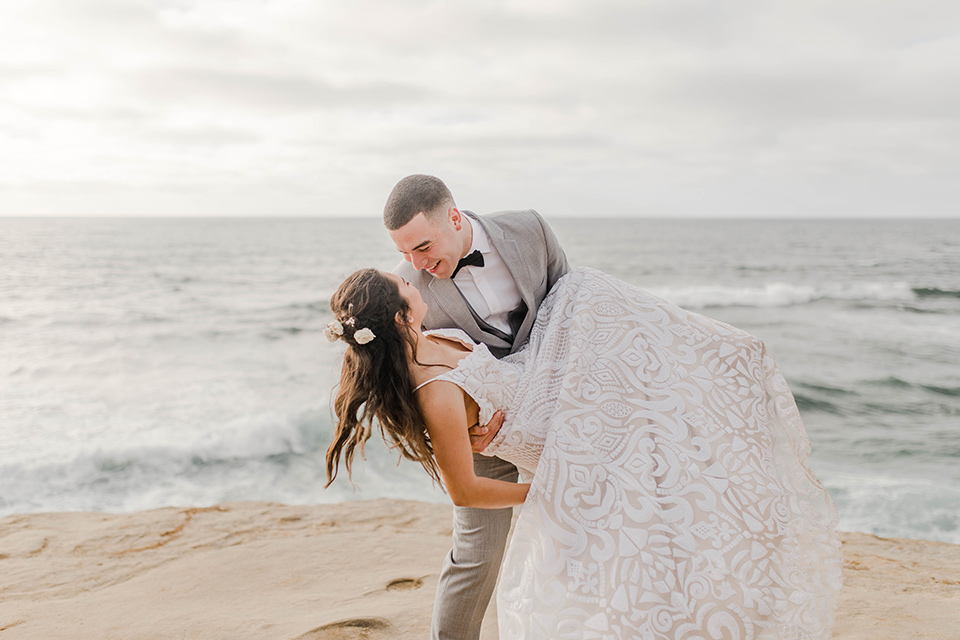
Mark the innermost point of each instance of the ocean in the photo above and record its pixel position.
(168, 361)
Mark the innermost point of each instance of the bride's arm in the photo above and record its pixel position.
(442, 405)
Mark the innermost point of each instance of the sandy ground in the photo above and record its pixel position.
(361, 570)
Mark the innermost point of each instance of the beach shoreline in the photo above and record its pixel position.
(347, 570)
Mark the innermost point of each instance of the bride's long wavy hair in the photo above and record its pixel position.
(375, 381)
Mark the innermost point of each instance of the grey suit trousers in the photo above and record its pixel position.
(470, 570)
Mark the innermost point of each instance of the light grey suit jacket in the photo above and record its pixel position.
(532, 255)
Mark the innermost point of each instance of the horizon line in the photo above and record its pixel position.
(262, 216)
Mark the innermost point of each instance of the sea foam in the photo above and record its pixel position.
(782, 294)
(896, 507)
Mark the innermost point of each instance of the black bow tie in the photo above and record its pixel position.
(474, 259)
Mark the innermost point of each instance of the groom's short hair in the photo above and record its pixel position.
(414, 194)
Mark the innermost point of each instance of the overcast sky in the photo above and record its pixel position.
(832, 108)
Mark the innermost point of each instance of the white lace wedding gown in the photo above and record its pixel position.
(670, 494)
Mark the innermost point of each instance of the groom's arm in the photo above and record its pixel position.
(557, 265)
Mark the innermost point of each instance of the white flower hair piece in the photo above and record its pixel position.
(333, 330)
(363, 336)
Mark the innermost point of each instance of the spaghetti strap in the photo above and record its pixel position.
(453, 335)
(417, 388)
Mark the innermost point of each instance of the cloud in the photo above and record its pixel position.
(244, 90)
(681, 107)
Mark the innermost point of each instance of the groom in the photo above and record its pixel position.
(487, 276)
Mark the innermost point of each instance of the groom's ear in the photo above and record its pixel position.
(455, 217)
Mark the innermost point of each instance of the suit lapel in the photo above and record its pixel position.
(453, 304)
(523, 274)
(514, 259)
(449, 298)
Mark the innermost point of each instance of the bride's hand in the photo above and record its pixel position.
(482, 434)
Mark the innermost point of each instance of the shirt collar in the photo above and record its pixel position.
(481, 242)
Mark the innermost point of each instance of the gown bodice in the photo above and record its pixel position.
(497, 385)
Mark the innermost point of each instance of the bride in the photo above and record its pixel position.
(665, 488)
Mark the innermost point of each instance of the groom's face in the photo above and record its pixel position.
(434, 244)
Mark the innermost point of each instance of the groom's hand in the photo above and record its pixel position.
(482, 434)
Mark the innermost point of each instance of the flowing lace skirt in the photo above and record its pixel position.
(671, 498)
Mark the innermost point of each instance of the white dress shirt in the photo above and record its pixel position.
(490, 289)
